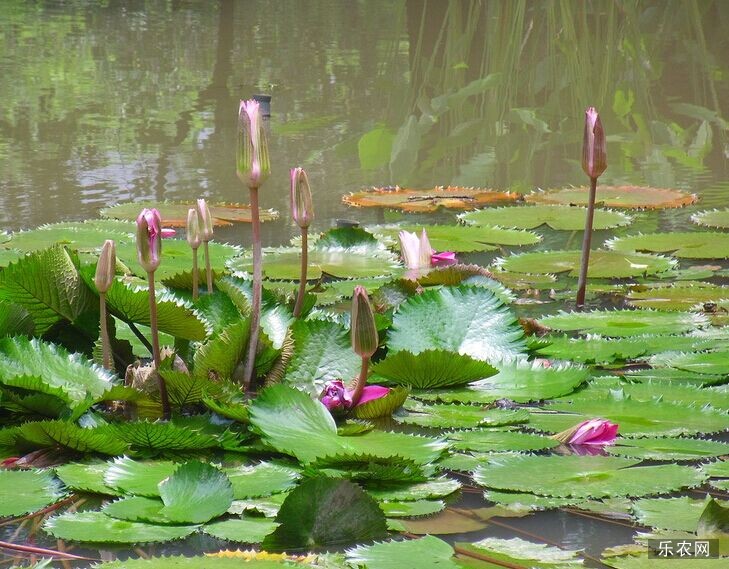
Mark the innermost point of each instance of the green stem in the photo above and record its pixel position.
(586, 240)
(208, 270)
(304, 266)
(166, 413)
(105, 344)
(257, 285)
(195, 275)
(360, 382)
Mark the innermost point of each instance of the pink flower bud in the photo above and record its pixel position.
(594, 153)
(302, 205)
(206, 220)
(194, 235)
(149, 239)
(252, 163)
(363, 328)
(106, 267)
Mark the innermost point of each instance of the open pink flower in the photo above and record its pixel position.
(336, 396)
(168, 232)
(418, 254)
(594, 432)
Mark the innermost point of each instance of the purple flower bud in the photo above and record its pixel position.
(252, 163)
(594, 153)
(302, 205)
(335, 396)
(149, 239)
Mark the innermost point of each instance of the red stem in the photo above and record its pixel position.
(360, 382)
(586, 240)
(166, 413)
(257, 285)
(40, 551)
(304, 266)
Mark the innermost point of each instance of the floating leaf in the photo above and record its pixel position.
(139, 509)
(620, 323)
(97, 527)
(24, 491)
(427, 200)
(628, 197)
(668, 449)
(404, 492)
(494, 440)
(583, 476)
(157, 437)
(432, 369)
(460, 416)
(195, 493)
(322, 352)
(412, 509)
(14, 320)
(677, 296)
(262, 479)
(460, 238)
(465, 319)
(709, 363)
(603, 264)
(42, 434)
(85, 477)
(712, 218)
(428, 552)
(135, 477)
(174, 214)
(690, 245)
(325, 512)
(519, 553)
(246, 529)
(555, 216)
(676, 514)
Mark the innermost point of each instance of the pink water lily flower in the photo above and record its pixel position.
(418, 254)
(168, 232)
(336, 396)
(594, 432)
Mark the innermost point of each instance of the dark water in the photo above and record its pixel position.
(111, 101)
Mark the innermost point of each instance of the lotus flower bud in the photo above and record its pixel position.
(106, 267)
(335, 396)
(206, 220)
(194, 236)
(252, 162)
(364, 330)
(302, 206)
(591, 432)
(410, 249)
(149, 239)
(594, 154)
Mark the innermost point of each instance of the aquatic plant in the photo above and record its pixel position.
(591, 432)
(103, 279)
(594, 162)
(149, 249)
(302, 211)
(418, 254)
(365, 339)
(252, 168)
(205, 221)
(194, 239)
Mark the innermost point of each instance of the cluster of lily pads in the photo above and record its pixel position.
(483, 381)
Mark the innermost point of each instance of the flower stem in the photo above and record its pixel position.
(105, 345)
(195, 275)
(360, 382)
(304, 266)
(166, 414)
(586, 240)
(257, 285)
(208, 271)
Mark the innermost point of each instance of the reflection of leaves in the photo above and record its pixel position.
(374, 148)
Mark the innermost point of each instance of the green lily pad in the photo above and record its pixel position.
(246, 529)
(14, 320)
(668, 449)
(460, 238)
(431, 369)
(412, 509)
(493, 440)
(520, 553)
(408, 492)
(555, 216)
(428, 552)
(137, 477)
(621, 323)
(603, 264)
(325, 512)
(85, 477)
(460, 416)
(195, 493)
(708, 363)
(45, 434)
(670, 375)
(690, 245)
(719, 469)
(712, 218)
(627, 197)
(85, 237)
(174, 214)
(521, 501)
(675, 514)
(583, 476)
(677, 296)
(420, 201)
(465, 319)
(24, 491)
(97, 527)
(262, 479)
(139, 509)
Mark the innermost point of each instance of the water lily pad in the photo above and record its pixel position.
(668, 449)
(520, 553)
(494, 440)
(174, 214)
(526, 501)
(139, 509)
(627, 197)
(428, 552)
(712, 218)
(424, 201)
(246, 529)
(45, 434)
(709, 363)
(583, 476)
(459, 416)
(138, 477)
(97, 527)
(460, 238)
(326, 512)
(86, 477)
(24, 491)
(466, 319)
(412, 509)
(195, 493)
(262, 479)
(603, 264)
(219, 560)
(621, 323)
(676, 514)
(677, 296)
(404, 492)
(690, 245)
(555, 216)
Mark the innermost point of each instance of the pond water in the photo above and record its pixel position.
(116, 101)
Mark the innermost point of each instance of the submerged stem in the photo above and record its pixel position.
(155, 347)
(304, 266)
(586, 240)
(257, 285)
(360, 382)
(208, 271)
(106, 360)
(195, 275)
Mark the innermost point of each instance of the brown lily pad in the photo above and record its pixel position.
(627, 197)
(406, 199)
(174, 214)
